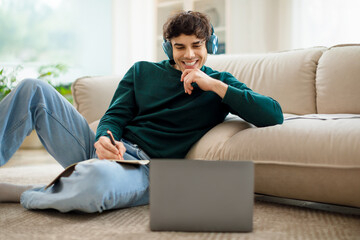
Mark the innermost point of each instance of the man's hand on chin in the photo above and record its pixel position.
(205, 82)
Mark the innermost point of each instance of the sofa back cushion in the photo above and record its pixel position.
(92, 95)
(338, 80)
(288, 77)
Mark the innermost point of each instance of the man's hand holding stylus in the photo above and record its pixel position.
(106, 150)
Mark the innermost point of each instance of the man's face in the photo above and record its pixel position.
(189, 52)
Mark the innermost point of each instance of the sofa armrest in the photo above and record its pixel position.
(92, 95)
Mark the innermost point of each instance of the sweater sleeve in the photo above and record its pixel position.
(122, 108)
(253, 107)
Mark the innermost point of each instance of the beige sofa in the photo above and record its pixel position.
(314, 155)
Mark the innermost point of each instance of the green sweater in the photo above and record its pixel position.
(151, 109)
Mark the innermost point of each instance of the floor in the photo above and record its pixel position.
(26, 157)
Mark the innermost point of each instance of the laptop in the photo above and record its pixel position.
(201, 196)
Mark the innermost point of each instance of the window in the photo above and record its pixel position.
(77, 33)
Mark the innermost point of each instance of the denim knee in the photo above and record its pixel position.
(36, 86)
(107, 185)
(30, 83)
(93, 187)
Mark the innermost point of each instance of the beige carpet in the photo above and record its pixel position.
(271, 221)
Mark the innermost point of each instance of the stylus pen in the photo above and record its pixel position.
(111, 137)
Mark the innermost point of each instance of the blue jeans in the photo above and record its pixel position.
(65, 134)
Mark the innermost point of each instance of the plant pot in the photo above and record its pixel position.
(31, 142)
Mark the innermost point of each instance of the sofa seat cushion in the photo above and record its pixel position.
(306, 158)
(303, 141)
(207, 148)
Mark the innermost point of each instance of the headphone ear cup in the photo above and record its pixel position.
(212, 44)
(168, 49)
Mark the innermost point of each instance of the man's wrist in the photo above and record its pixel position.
(220, 88)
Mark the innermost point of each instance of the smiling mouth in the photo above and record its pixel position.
(190, 64)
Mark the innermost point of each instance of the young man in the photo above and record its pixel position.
(159, 110)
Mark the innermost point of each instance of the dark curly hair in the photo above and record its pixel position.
(188, 23)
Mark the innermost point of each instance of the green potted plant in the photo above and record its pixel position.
(48, 73)
(8, 80)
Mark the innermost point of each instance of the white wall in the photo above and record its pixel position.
(325, 22)
(256, 26)
(259, 26)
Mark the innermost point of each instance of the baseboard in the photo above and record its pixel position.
(308, 204)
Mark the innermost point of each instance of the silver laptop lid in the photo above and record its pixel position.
(194, 195)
